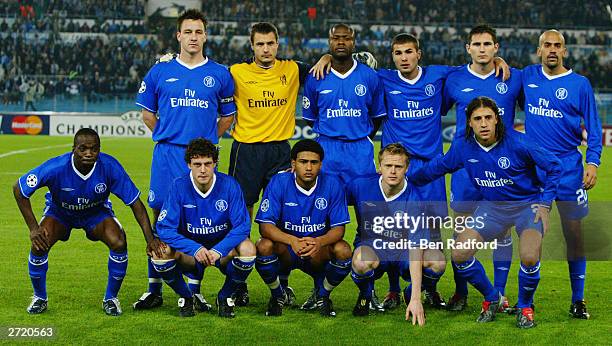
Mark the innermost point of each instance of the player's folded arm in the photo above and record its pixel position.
(549, 163)
(438, 167)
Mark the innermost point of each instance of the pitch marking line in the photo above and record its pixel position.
(25, 151)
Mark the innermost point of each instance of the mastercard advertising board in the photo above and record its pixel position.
(24, 124)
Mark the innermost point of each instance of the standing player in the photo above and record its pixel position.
(393, 192)
(463, 85)
(181, 100)
(502, 165)
(266, 93)
(345, 107)
(556, 100)
(79, 184)
(205, 223)
(301, 220)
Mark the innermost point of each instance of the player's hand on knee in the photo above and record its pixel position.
(206, 257)
(297, 245)
(156, 247)
(202, 256)
(415, 311)
(39, 239)
(313, 247)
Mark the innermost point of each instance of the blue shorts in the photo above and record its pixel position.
(302, 264)
(572, 199)
(464, 194)
(496, 219)
(347, 159)
(168, 164)
(402, 267)
(432, 192)
(88, 221)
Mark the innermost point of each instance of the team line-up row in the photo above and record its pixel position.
(302, 215)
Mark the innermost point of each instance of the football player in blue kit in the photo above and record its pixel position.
(345, 108)
(301, 220)
(478, 78)
(503, 166)
(79, 184)
(388, 193)
(557, 99)
(204, 222)
(181, 99)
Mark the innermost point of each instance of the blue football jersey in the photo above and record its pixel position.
(554, 107)
(366, 194)
(217, 219)
(504, 171)
(464, 85)
(77, 194)
(303, 213)
(414, 110)
(187, 99)
(342, 106)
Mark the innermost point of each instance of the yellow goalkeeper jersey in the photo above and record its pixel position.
(266, 100)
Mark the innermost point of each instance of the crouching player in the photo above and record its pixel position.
(204, 222)
(389, 193)
(301, 220)
(79, 184)
(502, 165)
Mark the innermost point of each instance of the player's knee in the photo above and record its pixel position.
(342, 250)
(265, 247)
(530, 259)
(460, 256)
(361, 267)
(117, 243)
(436, 266)
(434, 260)
(167, 253)
(247, 248)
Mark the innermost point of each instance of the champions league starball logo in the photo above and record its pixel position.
(430, 89)
(100, 188)
(143, 87)
(305, 102)
(503, 162)
(31, 180)
(209, 81)
(360, 90)
(221, 205)
(501, 88)
(265, 205)
(321, 203)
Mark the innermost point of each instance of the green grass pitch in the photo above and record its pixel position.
(77, 279)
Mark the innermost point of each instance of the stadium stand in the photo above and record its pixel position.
(95, 51)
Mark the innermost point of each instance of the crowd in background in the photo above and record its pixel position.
(34, 52)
